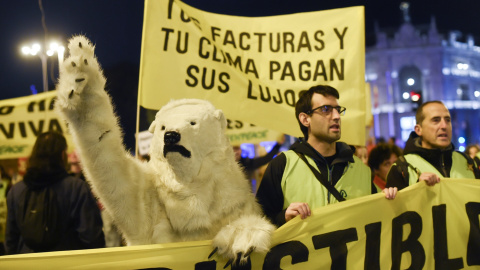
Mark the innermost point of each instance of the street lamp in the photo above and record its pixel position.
(36, 49)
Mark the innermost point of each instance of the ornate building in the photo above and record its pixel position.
(418, 64)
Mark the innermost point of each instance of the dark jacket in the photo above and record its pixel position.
(477, 162)
(82, 223)
(441, 159)
(270, 194)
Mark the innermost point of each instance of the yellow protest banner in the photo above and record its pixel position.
(368, 106)
(254, 68)
(423, 228)
(22, 119)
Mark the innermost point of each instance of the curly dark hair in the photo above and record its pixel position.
(380, 153)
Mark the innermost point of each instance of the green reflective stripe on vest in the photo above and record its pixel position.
(299, 184)
(459, 167)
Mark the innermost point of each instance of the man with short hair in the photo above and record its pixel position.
(429, 153)
(289, 187)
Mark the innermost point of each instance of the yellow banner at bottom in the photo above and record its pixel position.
(423, 228)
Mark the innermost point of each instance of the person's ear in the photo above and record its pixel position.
(304, 119)
(418, 129)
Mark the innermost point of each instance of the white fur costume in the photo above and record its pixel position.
(192, 188)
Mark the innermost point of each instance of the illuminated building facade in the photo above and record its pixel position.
(418, 64)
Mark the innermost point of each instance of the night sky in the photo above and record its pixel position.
(115, 26)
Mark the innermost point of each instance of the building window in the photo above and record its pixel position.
(407, 125)
(463, 92)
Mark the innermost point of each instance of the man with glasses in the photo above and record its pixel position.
(317, 166)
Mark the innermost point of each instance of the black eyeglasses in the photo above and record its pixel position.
(328, 109)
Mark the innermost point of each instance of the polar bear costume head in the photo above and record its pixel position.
(186, 132)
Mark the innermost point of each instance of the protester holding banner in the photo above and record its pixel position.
(291, 185)
(67, 201)
(380, 161)
(429, 152)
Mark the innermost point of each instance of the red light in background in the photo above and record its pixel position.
(415, 96)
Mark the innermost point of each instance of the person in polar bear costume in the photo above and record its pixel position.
(191, 189)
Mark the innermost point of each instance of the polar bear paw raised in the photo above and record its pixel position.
(80, 75)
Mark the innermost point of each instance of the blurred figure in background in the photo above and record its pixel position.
(75, 167)
(5, 185)
(473, 151)
(5, 181)
(380, 160)
(78, 218)
(362, 153)
(371, 142)
(392, 141)
(251, 164)
(17, 175)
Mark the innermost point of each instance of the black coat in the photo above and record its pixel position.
(82, 222)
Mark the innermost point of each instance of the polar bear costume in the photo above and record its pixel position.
(191, 189)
